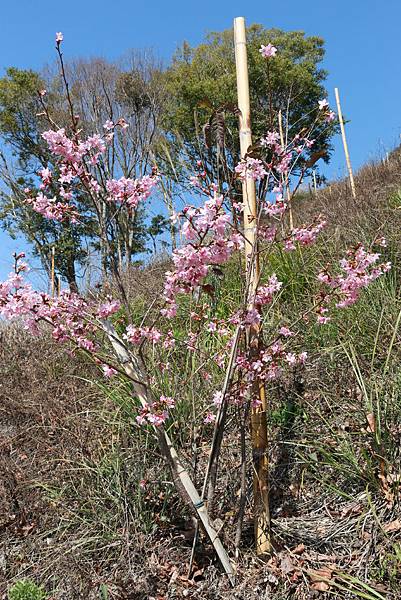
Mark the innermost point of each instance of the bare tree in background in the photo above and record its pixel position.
(131, 89)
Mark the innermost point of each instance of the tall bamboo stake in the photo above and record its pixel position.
(347, 158)
(258, 415)
(52, 271)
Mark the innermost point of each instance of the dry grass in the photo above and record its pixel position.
(373, 213)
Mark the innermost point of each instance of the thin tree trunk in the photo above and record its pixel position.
(136, 370)
(71, 275)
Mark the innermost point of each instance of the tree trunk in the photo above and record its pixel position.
(71, 275)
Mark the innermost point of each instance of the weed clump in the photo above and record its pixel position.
(25, 589)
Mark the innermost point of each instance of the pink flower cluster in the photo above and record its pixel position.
(136, 335)
(269, 365)
(71, 153)
(108, 371)
(305, 235)
(73, 318)
(265, 293)
(271, 139)
(76, 157)
(156, 413)
(18, 299)
(282, 157)
(359, 269)
(130, 191)
(277, 208)
(205, 228)
(268, 51)
(252, 168)
(208, 219)
(192, 264)
(50, 208)
(46, 176)
(73, 150)
(329, 115)
(67, 314)
(108, 308)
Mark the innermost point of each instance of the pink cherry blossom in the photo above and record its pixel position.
(217, 398)
(108, 308)
(358, 270)
(130, 191)
(330, 116)
(252, 168)
(52, 209)
(305, 235)
(268, 51)
(285, 332)
(265, 293)
(209, 418)
(122, 123)
(46, 176)
(156, 413)
(108, 371)
(272, 138)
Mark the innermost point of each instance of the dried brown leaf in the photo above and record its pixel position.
(286, 565)
(321, 586)
(393, 526)
(371, 422)
(320, 574)
(299, 549)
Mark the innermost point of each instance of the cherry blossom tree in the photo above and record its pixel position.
(189, 316)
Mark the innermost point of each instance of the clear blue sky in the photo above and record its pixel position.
(363, 53)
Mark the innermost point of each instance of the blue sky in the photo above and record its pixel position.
(363, 54)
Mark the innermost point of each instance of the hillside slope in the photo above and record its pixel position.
(88, 512)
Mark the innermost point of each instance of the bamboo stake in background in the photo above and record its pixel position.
(258, 416)
(314, 180)
(347, 158)
(52, 272)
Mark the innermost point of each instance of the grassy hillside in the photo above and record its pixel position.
(88, 508)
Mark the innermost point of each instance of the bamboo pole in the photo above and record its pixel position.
(258, 414)
(314, 180)
(52, 272)
(346, 152)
